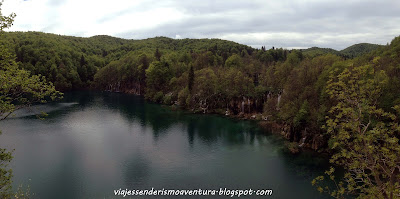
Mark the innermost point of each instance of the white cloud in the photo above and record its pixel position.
(31, 15)
(285, 23)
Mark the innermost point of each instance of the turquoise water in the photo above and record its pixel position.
(93, 143)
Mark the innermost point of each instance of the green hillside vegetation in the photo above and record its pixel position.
(359, 49)
(316, 51)
(227, 77)
(71, 62)
(353, 51)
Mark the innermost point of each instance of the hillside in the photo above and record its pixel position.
(316, 51)
(355, 50)
(359, 49)
(71, 62)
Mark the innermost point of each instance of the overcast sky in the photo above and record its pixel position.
(281, 23)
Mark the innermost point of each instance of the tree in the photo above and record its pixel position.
(302, 116)
(234, 84)
(18, 89)
(234, 61)
(144, 64)
(157, 54)
(205, 82)
(6, 21)
(191, 78)
(5, 156)
(294, 58)
(83, 61)
(364, 137)
(82, 69)
(158, 76)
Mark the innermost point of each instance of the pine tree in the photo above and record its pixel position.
(157, 54)
(191, 78)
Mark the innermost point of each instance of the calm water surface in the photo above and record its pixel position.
(92, 143)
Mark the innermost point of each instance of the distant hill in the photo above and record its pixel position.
(71, 62)
(359, 49)
(99, 44)
(316, 51)
(165, 43)
(349, 52)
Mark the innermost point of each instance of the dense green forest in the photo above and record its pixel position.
(349, 52)
(209, 75)
(72, 62)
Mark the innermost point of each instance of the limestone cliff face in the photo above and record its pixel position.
(243, 107)
(135, 88)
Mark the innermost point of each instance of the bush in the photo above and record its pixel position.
(168, 98)
(158, 97)
(182, 96)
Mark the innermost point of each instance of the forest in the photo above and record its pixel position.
(209, 75)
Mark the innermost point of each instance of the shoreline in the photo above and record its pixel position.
(271, 126)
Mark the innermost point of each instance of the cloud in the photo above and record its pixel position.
(285, 23)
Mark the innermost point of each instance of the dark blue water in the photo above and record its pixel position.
(93, 143)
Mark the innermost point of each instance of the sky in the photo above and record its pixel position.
(289, 24)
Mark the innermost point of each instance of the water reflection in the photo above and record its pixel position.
(105, 141)
(205, 127)
(136, 171)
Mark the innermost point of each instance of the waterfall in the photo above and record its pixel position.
(303, 140)
(242, 108)
(248, 103)
(279, 100)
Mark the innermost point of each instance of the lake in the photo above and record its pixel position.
(92, 143)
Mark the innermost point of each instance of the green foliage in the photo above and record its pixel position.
(5, 173)
(167, 99)
(158, 76)
(234, 83)
(234, 61)
(302, 116)
(157, 54)
(355, 50)
(205, 89)
(183, 97)
(18, 89)
(72, 62)
(294, 57)
(316, 51)
(359, 49)
(364, 137)
(191, 78)
(6, 21)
